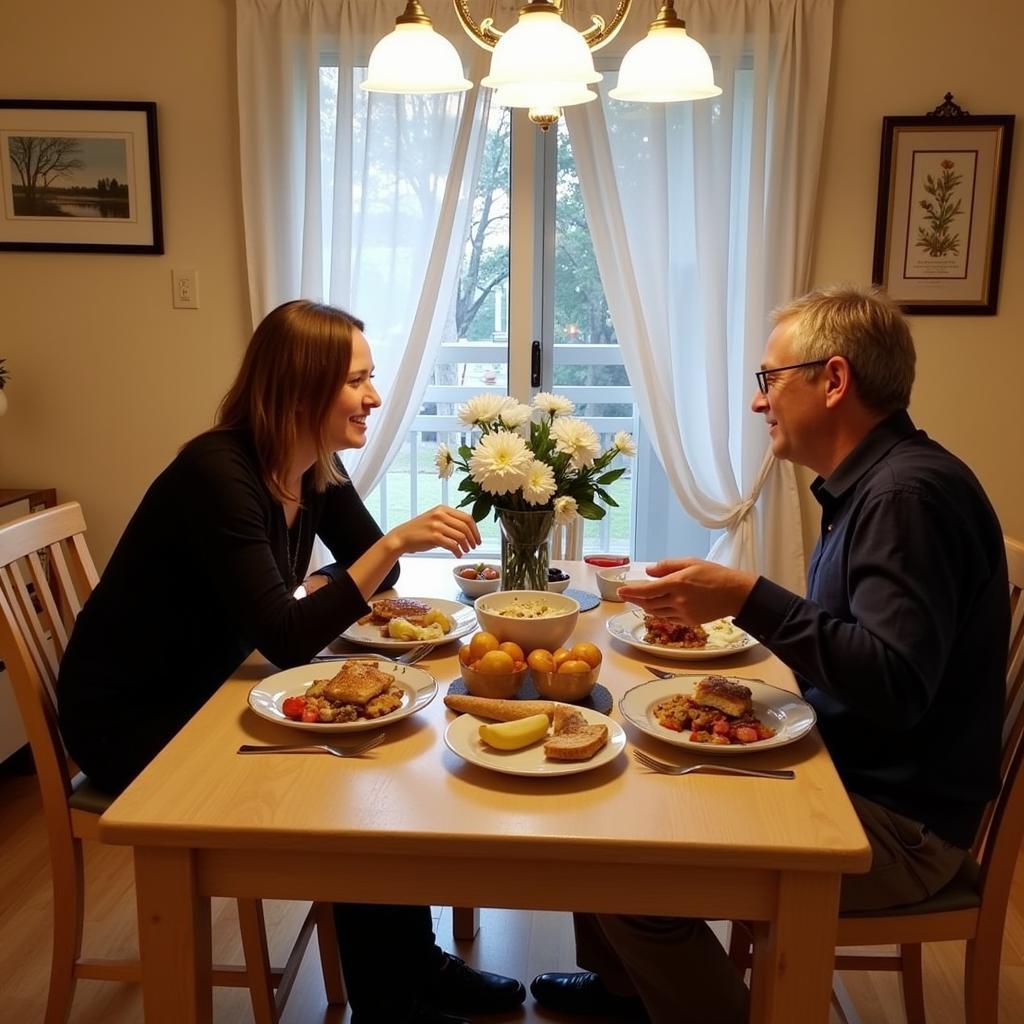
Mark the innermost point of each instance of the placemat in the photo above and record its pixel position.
(599, 699)
(584, 598)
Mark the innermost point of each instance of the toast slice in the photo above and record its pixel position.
(574, 739)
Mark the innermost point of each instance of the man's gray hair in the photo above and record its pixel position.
(866, 327)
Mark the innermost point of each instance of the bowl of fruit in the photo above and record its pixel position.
(478, 578)
(568, 673)
(491, 668)
(558, 580)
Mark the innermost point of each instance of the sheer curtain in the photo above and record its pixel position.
(702, 217)
(356, 199)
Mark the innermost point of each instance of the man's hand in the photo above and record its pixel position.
(690, 591)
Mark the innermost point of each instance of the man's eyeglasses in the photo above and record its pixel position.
(764, 377)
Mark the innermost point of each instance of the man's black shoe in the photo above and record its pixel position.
(457, 988)
(584, 994)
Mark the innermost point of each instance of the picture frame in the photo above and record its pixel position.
(943, 184)
(79, 176)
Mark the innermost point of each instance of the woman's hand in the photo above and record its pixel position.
(441, 527)
(690, 591)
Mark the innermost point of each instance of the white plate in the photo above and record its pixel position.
(462, 737)
(789, 715)
(266, 698)
(369, 634)
(629, 627)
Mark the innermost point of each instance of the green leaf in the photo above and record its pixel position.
(610, 478)
(466, 452)
(588, 510)
(468, 500)
(482, 508)
(467, 484)
(607, 498)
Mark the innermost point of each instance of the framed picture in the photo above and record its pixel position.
(78, 176)
(942, 189)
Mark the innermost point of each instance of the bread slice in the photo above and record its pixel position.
(574, 739)
(499, 710)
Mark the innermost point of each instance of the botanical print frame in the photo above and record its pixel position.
(942, 190)
(79, 176)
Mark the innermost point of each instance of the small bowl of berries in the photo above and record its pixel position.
(478, 578)
(558, 580)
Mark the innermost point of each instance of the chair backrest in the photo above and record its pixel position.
(46, 574)
(999, 837)
(567, 541)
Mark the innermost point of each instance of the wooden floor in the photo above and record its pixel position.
(513, 942)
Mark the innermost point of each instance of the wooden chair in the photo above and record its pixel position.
(46, 573)
(567, 541)
(973, 906)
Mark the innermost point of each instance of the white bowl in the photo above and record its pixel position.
(559, 585)
(549, 632)
(476, 588)
(609, 580)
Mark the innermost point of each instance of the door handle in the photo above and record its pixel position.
(535, 365)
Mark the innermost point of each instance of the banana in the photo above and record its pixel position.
(515, 735)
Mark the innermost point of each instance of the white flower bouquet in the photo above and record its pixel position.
(533, 458)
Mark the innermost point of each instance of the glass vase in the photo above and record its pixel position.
(524, 548)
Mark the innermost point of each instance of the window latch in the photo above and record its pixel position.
(535, 365)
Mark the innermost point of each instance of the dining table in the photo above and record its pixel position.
(411, 821)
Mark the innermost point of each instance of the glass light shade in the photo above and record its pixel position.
(664, 67)
(542, 95)
(539, 48)
(415, 59)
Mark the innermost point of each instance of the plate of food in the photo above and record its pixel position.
(401, 623)
(345, 696)
(716, 714)
(670, 640)
(559, 740)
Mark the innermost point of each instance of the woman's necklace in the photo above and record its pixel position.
(293, 549)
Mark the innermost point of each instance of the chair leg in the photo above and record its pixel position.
(68, 874)
(912, 983)
(465, 923)
(330, 955)
(257, 961)
(981, 982)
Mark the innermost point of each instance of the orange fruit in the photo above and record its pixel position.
(465, 654)
(514, 651)
(495, 663)
(588, 652)
(481, 644)
(541, 660)
(573, 665)
(559, 656)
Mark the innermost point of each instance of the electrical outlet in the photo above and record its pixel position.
(185, 289)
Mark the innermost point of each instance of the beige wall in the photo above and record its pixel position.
(108, 379)
(900, 58)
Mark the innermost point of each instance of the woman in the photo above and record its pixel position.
(207, 572)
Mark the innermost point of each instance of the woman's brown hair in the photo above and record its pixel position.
(298, 358)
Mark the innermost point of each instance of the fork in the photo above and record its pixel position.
(665, 768)
(314, 748)
(660, 672)
(409, 658)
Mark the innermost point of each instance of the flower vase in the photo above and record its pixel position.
(524, 548)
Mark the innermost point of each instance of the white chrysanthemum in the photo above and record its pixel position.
(444, 461)
(499, 462)
(481, 409)
(624, 443)
(514, 414)
(539, 485)
(577, 439)
(565, 510)
(556, 405)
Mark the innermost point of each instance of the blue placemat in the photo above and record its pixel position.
(584, 598)
(599, 699)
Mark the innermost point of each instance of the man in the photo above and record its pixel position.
(900, 645)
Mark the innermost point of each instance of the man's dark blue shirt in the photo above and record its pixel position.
(900, 644)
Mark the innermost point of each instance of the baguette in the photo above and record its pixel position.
(499, 710)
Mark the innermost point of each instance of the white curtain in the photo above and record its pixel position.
(359, 200)
(702, 218)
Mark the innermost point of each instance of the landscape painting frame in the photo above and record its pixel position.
(942, 192)
(79, 176)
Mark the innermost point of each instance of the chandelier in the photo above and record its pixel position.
(541, 63)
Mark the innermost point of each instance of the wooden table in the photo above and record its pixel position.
(413, 823)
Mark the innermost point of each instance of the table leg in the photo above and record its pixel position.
(791, 980)
(174, 938)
